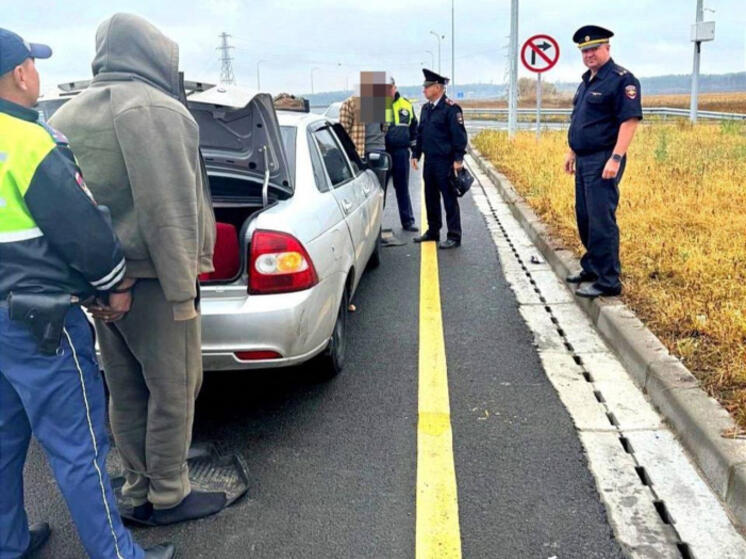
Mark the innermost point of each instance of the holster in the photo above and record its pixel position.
(44, 314)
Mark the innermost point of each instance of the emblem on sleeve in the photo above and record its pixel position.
(460, 117)
(81, 183)
(631, 92)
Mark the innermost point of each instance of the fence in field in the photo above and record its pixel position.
(665, 112)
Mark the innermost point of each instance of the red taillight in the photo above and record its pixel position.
(256, 355)
(279, 263)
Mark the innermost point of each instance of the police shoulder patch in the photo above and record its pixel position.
(460, 117)
(631, 91)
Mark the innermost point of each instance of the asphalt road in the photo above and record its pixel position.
(333, 466)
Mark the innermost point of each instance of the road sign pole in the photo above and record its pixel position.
(538, 106)
(513, 84)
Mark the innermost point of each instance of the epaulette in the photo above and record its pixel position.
(620, 70)
(450, 101)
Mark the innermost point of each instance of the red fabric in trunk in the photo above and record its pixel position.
(226, 259)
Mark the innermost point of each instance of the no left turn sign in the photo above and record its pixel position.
(540, 53)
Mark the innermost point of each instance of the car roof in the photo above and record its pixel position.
(295, 118)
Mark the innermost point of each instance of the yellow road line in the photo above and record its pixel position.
(438, 535)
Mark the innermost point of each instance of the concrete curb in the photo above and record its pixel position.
(697, 420)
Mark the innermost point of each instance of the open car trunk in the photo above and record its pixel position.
(247, 164)
(234, 207)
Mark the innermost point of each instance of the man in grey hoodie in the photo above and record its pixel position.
(138, 146)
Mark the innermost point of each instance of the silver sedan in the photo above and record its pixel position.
(299, 221)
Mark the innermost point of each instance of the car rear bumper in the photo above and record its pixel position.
(297, 326)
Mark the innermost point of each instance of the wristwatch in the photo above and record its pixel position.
(616, 157)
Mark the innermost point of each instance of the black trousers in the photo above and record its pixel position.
(596, 200)
(400, 162)
(436, 174)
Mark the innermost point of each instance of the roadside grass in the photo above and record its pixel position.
(682, 217)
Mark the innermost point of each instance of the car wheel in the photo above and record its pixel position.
(375, 259)
(331, 362)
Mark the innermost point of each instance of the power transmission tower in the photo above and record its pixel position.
(226, 68)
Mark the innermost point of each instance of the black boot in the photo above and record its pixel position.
(39, 533)
(427, 236)
(581, 277)
(450, 243)
(161, 551)
(195, 505)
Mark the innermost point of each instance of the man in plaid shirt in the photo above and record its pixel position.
(349, 118)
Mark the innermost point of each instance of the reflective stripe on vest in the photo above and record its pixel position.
(16, 236)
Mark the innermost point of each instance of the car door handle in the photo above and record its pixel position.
(366, 189)
(347, 206)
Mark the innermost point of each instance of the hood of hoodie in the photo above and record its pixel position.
(129, 47)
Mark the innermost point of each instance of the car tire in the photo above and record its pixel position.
(331, 362)
(375, 258)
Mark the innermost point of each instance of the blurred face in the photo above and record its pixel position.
(595, 57)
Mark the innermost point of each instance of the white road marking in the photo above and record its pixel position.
(633, 456)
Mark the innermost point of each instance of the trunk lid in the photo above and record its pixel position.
(235, 125)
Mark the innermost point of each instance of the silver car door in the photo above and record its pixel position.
(347, 190)
(370, 191)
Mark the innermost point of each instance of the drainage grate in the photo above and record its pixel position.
(660, 505)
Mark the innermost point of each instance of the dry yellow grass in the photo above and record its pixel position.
(682, 217)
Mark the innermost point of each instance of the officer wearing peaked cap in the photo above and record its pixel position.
(606, 112)
(441, 136)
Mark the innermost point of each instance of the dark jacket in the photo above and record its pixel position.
(441, 133)
(600, 106)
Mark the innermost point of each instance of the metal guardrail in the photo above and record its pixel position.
(648, 111)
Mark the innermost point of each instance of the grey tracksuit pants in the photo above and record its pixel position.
(153, 367)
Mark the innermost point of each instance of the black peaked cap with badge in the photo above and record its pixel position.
(433, 78)
(590, 36)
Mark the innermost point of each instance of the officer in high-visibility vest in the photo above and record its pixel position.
(400, 138)
(57, 249)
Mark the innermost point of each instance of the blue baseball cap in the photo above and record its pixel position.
(14, 50)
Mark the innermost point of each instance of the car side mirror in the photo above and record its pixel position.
(379, 161)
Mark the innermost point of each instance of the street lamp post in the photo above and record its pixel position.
(453, 44)
(312, 71)
(432, 58)
(439, 37)
(258, 79)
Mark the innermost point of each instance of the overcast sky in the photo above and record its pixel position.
(342, 38)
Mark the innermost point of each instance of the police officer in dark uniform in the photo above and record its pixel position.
(441, 136)
(606, 112)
